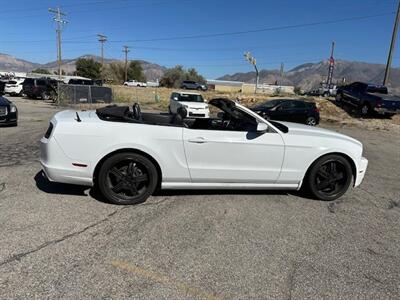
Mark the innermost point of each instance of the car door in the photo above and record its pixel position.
(299, 114)
(221, 156)
(284, 112)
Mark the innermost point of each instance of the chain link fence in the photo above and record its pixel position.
(72, 94)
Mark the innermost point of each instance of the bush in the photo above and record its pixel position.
(174, 77)
(88, 68)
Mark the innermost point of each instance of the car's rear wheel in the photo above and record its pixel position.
(365, 110)
(45, 96)
(127, 178)
(330, 177)
(311, 121)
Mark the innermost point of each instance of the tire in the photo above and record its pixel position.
(311, 121)
(45, 96)
(365, 110)
(330, 177)
(339, 98)
(127, 178)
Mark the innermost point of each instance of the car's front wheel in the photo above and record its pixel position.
(127, 178)
(330, 177)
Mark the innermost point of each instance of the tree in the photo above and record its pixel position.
(135, 71)
(41, 71)
(88, 68)
(173, 77)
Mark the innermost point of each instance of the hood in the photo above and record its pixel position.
(3, 101)
(300, 129)
(194, 104)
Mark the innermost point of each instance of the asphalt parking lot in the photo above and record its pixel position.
(60, 241)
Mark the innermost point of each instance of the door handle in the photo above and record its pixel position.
(198, 140)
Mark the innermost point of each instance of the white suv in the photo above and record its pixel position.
(14, 87)
(193, 102)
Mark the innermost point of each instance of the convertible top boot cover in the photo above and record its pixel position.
(113, 111)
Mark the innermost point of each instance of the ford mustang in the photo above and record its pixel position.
(128, 154)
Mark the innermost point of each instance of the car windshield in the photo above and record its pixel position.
(190, 98)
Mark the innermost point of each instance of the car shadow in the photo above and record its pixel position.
(45, 185)
(353, 112)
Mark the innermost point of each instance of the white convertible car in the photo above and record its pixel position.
(128, 154)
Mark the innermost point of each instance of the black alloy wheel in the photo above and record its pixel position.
(365, 110)
(330, 177)
(127, 178)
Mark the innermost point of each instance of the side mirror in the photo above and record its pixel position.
(262, 127)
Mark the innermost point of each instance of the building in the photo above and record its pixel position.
(247, 88)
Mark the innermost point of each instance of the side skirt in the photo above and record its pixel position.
(228, 186)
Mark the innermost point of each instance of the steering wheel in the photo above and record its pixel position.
(137, 114)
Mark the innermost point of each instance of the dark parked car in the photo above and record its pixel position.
(192, 85)
(289, 110)
(369, 98)
(40, 88)
(8, 112)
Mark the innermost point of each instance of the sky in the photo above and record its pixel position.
(209, 35)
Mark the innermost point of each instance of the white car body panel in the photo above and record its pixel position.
(191, 158)
(135, 83)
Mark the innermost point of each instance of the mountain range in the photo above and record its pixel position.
(306, 76)
(310, 75)
(10, 63)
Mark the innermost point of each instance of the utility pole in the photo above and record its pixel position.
(60, 21)
(392, 45)
(331, 67)
(102, 39)
(281, 72)
(253, 61)
(126, 51)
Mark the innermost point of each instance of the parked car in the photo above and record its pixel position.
(127, 154)
(8, 112)
(369, 98)
(2, 86)
(80, 81)
(192, 85)
(135, 83)
(40, 88)
(14, 87)
(289, 110)
(192, 102)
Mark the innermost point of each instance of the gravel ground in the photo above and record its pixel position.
(59, 241)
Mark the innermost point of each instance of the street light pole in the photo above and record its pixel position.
(253, 62)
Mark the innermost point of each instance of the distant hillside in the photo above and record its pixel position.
(309, 75)
(10, 63)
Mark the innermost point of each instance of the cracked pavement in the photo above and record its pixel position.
(60, 241)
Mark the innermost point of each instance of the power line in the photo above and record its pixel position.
(275, 28)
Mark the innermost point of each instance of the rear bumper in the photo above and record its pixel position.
(362, 168)
(59, 168)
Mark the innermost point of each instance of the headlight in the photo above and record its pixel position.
(13, 109)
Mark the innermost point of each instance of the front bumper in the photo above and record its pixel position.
(198, 113)
(10, 118)
(384, 110)
(362, 168)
